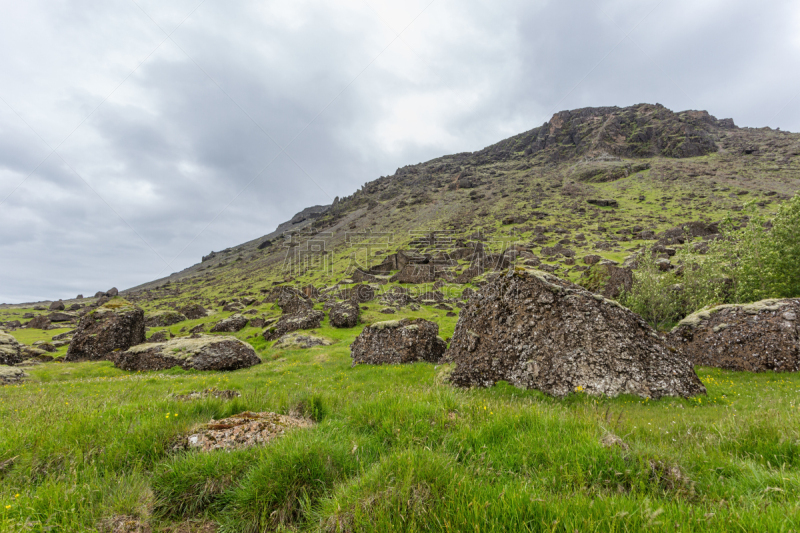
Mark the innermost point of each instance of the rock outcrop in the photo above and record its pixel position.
(344, 315)
(111, 328)
(10, 350)
(537, 331)
(398, 341)
(232, 324)
(198, 353)
(753, 337)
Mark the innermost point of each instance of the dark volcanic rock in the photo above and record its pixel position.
(57, 306)
(159, 336)
(310, 319)
(10, 350)
(232, 324)
(39, 322)
(61, 317)
(112, 292)
(194, 311)
(116, 326)
(415, 273)
(290, 300)
(398, 341)
(754, 337)
(163, 319)
(538, 331)
(607, 279)
(344, 315)
(198, 353)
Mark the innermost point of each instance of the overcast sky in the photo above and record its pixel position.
(136, 136)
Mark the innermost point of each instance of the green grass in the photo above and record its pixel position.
(396, 448)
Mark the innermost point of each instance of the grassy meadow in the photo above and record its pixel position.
(394, 448)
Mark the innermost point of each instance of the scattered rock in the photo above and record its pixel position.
(415, 273)
(287, 323)
(194, 311)
(57, 306)
(115, 326)
(591, 259)
(61, 317)
(293, 341)
(752, 337)
(241, 431)
(10, 350)
(159, 336)
(232, 324)
(603, 202)
(199, 353)
(344, 315)
(112, 292)
(161, 319)
(207, 393)
(398, 341)
(537, 331)
(388, 310)
(10, 375)
(39, 322)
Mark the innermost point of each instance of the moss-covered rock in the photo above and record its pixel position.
(115, 326)
(196, 352)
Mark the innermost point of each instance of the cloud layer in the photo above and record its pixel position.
(136, 137)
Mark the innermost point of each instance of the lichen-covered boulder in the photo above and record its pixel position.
(161, 319)
(10, 350)
(398, 341)
(211, 352)
(194, 311)
(10, 375)
(753, 337)
(290, 300)
(296, 340)
(344, 315)
(232, 324)
(310, 319)
(537, 331)
(111, 328)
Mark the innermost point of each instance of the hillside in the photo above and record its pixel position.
(535, 189)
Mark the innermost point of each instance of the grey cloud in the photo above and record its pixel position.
(184, 137)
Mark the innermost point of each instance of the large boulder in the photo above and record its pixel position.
(398, 341)
(161, 319)
(537, 331)
(232, 324)
(57, 306)
(61, 317)
(111, 328)
(194, 311)
(753, 337)
(290, 300)
(39, 322)
(201, 352)
(607, 279)
(310, 319)
(10, 350)
(344, 315)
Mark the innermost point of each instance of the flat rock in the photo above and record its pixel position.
(197, 352)
(398, 341)
(107, 330)
(752, 337)
(244, 430)
(537, 331)
(293, 341)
